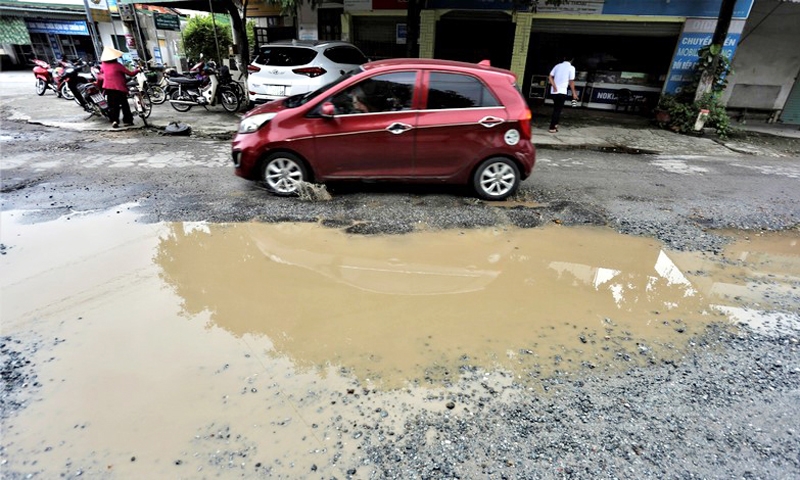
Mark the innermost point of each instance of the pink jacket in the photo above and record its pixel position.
(112, 76)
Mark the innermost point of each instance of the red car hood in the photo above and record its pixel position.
(273, 106)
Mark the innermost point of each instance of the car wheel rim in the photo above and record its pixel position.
(497, 179)
(283, 175)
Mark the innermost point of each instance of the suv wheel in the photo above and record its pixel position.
(496, 179)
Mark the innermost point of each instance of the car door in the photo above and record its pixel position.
(371, 134)
(459, 124)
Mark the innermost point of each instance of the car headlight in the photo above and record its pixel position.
(254, 122)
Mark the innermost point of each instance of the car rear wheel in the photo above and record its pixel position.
(496, 179)
(282, 173)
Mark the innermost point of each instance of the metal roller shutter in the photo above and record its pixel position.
(633, 29)
(791, 109)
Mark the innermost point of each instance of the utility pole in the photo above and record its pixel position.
(412, 28)
(96, 43)
(717, 42)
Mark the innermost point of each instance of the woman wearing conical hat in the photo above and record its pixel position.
(114, 82)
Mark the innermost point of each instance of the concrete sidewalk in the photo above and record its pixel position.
(580, 128)
(633, 133)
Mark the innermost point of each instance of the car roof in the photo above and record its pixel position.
(438, 64)
(308, 43)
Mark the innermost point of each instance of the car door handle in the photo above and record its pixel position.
(490, 121)
(397, 128)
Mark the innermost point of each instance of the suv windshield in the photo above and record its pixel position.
(303, 98)
(285, 56)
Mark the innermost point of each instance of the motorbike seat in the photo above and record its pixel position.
(188, 82)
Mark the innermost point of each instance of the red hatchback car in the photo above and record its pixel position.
(414, 120)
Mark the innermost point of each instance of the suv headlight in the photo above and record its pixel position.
(254, 122)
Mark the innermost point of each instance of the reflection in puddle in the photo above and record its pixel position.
(420, 307)
(170, 348)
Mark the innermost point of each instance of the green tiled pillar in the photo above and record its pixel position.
(427, 33)
(522, 38)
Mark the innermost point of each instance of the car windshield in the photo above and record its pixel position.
(303, 98)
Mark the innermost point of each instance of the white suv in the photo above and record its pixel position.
(287, 68)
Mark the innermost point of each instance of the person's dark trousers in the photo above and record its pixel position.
(118, 100)
(558, 105)
(73, 87)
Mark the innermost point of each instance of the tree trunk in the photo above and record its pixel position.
(239, 31)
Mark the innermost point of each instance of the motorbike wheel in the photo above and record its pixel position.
(157, 94)
(66, 92)
(41, 87)
(180, 106)
(229, 100)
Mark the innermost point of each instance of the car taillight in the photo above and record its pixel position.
(525, 123)
(310, 71)
(253, 68)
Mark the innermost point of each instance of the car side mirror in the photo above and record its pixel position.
(327, 110)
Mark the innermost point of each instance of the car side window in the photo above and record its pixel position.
(453, 90)
(382, 93)
(346, 55)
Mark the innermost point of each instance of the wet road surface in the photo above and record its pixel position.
(267, 349)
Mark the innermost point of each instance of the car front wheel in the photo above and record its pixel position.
(496, 179)
(282, 173)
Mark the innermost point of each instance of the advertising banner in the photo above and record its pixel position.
(697, 33)
(574, 7)
(58, 27)
(677, 8)
(166, 21)
(357, 5)
(473, 4)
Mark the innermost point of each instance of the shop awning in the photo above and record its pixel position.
(254, 7)
(14, 31)
(199, 5)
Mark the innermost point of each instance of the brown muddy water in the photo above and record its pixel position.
(192, 349)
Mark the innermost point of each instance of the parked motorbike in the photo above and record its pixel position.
(46, 77)
(71, 77)
(187, 92)
(147, 81)
(197, 72)
(94, 101)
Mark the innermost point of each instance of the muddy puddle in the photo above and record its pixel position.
(190, 350)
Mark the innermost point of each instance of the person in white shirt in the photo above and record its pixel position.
(561, 77)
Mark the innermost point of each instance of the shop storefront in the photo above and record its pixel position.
(473, 30)
(377, 27)
(47, 31)
(608, 57)
(626, 54)
(57, 39)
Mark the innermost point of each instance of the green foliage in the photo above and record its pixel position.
(682, 109)
(251, 34)
(681, 115)
(706, 62)
(199, 38)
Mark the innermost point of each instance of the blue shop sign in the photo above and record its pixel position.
(686, 58)
(677, 8)
(58, 27)
(472, 4)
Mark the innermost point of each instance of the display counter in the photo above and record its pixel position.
(601, 89)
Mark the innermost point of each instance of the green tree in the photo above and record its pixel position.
(199, 38)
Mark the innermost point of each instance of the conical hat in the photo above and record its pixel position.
(110, 54)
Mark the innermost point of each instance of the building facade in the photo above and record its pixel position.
(55, 30)
(766, 69)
